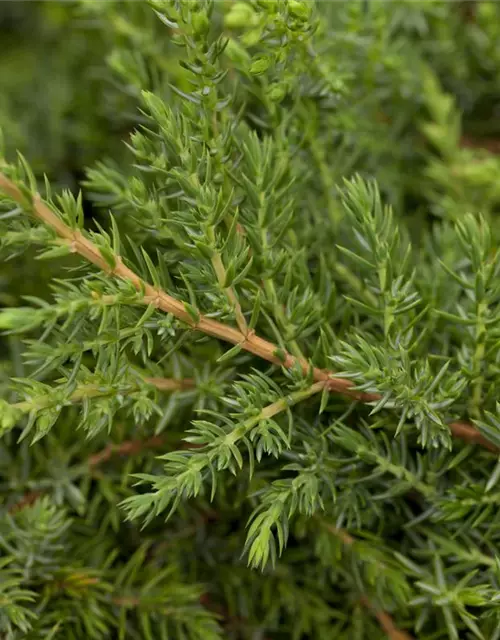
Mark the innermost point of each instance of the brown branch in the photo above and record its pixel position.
(384, 619)
(127, 448)
(29, 498)
(470, 434)
(133, 447)
(126, 601)
(170, 384)
(386, 622)
(250, 342)
(468, 8)
(490, 144)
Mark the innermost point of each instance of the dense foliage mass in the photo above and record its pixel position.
(250, 294)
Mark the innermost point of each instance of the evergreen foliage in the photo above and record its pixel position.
(251, 355)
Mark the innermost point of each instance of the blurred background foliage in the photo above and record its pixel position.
(68, 96)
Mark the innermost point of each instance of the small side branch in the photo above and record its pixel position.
(386, 622)
(29, 498)
(87, 391)
(384, 619)
(171, 384)
(127, 448)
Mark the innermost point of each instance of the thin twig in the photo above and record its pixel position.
(29, 498)
(468, 9)
(465, 431)
(384, 619)
(220, 272)
(250, 342)
(490, 144)
(86, 391)
(386, 622)
(127, 448)
(171, 384)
